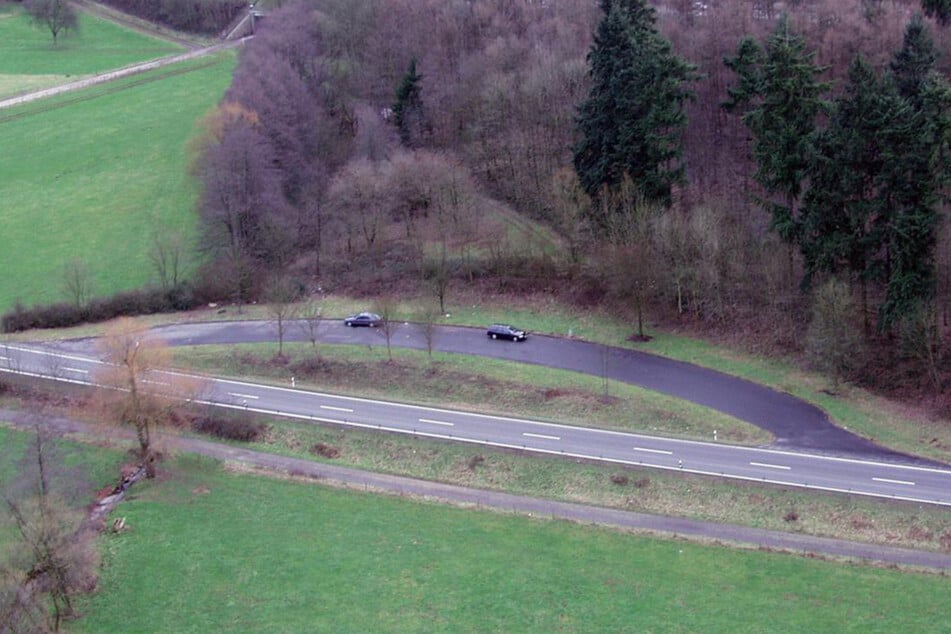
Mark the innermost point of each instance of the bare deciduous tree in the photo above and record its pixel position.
(51, 556)
(358, 202)
(77, 281)
(166, 254)
(833, 343)
(385, 307)
(243, 210)
(140, 397)
(427, 317)
(630, 257)
(311, 316)
(281, 295)
(58, 16)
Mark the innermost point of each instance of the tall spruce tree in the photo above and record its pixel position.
(408, 108)
(779, 96)
(839, 225)
(633, 120)
(916, 177)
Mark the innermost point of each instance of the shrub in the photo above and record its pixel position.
(325, 451)
(229, 428)
(144, 301)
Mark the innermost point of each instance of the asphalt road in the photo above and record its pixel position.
(795, 424)
(548, 509)
(857, 475)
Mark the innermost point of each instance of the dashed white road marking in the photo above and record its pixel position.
(770, 466)
(890, 481)
(152, 382)
(79, 370)
(436, 422)
(336, 409)
(660, 451)
(239, 395)
(543, 436)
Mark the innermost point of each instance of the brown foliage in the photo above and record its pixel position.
(137, 393)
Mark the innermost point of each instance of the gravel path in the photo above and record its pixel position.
(533, 507)
(135, 69)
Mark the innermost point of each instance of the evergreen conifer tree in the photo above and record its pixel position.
(632, 122)
(916, 176)
(779, 96)
(408, 108)
(840, 221)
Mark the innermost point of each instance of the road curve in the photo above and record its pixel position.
(795, 424)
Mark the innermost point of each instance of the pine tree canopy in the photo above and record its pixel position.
(633, 120)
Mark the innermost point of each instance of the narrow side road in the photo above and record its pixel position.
(533, 507)
(796, 425)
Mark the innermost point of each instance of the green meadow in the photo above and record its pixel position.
(30, 60)
(209, 550)
(93, 176)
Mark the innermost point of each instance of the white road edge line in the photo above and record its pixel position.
(486, 443)
(557, 426)
(660, 451)
(543, 436)
(436, 422)
(243, 395)
(890, 481)
(337, 409)
(770, 466)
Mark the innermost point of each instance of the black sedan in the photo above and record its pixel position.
(505, 331)
(370, 320)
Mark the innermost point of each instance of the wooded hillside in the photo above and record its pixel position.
(378, 143)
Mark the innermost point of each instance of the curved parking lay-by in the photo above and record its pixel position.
(794, 423)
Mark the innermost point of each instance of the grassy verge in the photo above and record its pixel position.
(474, 384)
(636, 489)
(209, 550)
(105, 172)
(640, 489)
(27, 51)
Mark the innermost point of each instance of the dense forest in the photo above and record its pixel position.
(772, 172)
(208, 17)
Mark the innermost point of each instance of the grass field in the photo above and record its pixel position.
(92, 176)
(30, 60)
(212, 551)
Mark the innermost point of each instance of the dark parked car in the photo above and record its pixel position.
(371, 320)
(504, 331)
